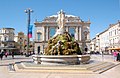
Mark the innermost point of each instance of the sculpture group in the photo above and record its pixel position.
(62, 43)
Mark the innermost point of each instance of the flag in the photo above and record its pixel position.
(30, 28)
(30, 35)
(30, 31)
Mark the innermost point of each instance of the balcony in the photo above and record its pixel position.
(40, 41)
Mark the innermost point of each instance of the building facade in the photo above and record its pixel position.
(20, 40)
(108, 40)
(73, 24)
(21, 43)
(7, 38)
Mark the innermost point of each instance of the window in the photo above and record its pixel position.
(5, 31)
(72, 31)
(52, 32)
(5, 39)
(38, 36)
(109, 33)
(85, 34)
(115, 32)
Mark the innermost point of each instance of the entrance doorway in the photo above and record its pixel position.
(38, 49)
(86, 49)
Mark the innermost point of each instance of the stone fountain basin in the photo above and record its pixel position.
(60, 59)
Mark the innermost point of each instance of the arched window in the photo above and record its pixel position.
(52, 32)
(5, 38)
(72, 31)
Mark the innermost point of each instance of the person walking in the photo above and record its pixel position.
(6, 54)
(115, 55)
(118, 56)
(13, 55)
(1, 55)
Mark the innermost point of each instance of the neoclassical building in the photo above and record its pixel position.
(45, 29)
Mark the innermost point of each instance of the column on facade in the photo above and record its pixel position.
(76, 33)
(56, 28)
(67, 28)
(43, 36)
(80, 33)
(47, 34)
(88, 35)
(43, 45)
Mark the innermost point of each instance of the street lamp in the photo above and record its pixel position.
(28, 12)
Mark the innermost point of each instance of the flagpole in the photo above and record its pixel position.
(28, 11)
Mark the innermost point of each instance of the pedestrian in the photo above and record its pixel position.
(118, 56)
(13, 55)
(1, 55)
(115, 55)
(6, 54)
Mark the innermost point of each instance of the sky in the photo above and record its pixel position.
(100, 12)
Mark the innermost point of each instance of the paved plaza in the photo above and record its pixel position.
(4, 72)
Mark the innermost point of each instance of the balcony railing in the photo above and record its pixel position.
(41, 41)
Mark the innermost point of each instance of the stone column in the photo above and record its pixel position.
(45, 33)
(47, 30)
(80, 33)
(67, 28)
(56, 28)
(76, 33)
(88, 36)
(48, 33)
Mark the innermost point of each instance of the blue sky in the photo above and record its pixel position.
(100, 12)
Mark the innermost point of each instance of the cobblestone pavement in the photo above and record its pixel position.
(4, 73)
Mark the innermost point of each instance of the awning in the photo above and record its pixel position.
(113, 48)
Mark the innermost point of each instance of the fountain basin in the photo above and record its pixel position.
(60, 59)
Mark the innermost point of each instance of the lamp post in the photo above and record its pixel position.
(28, 12)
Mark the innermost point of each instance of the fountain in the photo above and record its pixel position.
(62, 49)
(62, 54)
